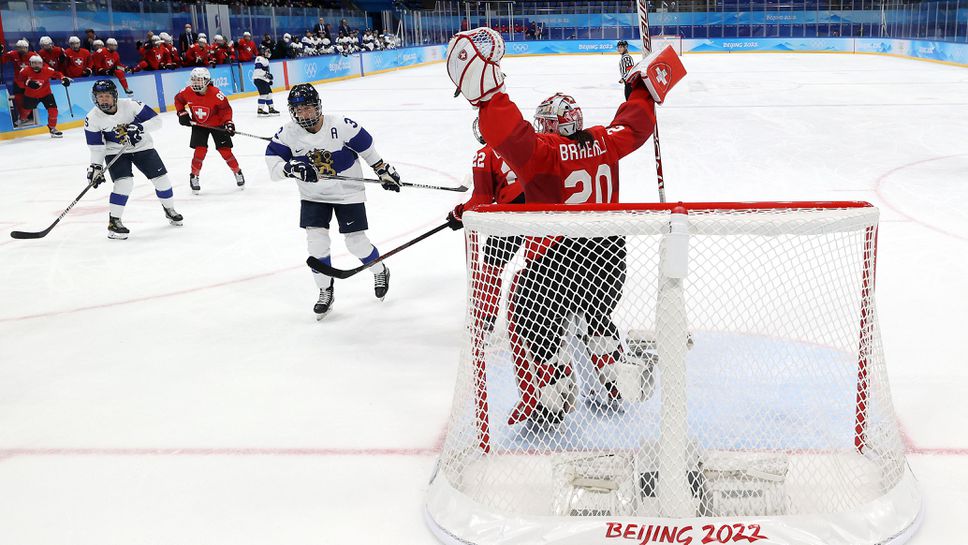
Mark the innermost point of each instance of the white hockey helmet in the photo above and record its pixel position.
(155, 40)
(36, 62)
(218, 38)
(247, 34)
(46, 42)
(98, 44)
(202, 35)
(111, 42)
(74, 42)
(199, 79)
(166, 37)
(203, 40)
(558, 114)
(22, 45)
(286, 37)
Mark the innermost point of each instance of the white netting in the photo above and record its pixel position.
(611, 368)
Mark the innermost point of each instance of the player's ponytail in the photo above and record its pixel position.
(583, 137)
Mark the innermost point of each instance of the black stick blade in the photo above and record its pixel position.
(27, 235)
(328, 270)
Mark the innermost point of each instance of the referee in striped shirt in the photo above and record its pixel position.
(624, 64)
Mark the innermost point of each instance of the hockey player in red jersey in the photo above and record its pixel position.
(20, 59)
(52, 55)
(205, 109)
(222, 52)
(36, 78)
(494, 182)
(564, 164)
(155, 56)
(246, 48)
(107, 62)
(169, 44)
(78, 59)
(198, 54)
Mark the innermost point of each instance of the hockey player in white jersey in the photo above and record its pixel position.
(310, 148)
(110, 126)
(262, 78)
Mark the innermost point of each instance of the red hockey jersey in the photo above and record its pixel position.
(494, 181)
(19, 61)
(105, 61)
(77, 62)
(246, 50)
(555, 169)
(197, 55)
(210, 109)
(53, 57)
(43, 77)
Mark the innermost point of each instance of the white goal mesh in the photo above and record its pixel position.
(628, 371)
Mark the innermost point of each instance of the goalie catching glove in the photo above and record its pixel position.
(474, 64)
(389, 178)
(659, 72)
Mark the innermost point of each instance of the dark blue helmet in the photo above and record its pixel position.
(104, 86)
(622, 43)
(305, 94)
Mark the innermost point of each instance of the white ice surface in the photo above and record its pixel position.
(175, 388)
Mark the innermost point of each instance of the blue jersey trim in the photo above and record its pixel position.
(145, 114)
(166, 194)
(361, 142)
(94, 138)
(118, 199)
(279, 150)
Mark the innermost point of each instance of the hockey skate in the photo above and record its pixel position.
(240, 180)
(116, 229)
(129, 92)
(262, 113)
(193, 181)
(381, 283)
(273, 111)
(325, 303)
(173, 217)
(54, 133)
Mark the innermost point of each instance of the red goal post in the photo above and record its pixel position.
(685, 364)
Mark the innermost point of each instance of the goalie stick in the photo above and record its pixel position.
(460, 188)
(341, 274)
(646, 49)
(41, 234)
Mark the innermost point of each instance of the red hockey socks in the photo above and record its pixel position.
(52, 117)
(229, 158)
(197, 160)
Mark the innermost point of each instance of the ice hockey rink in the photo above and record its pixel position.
(176, 388)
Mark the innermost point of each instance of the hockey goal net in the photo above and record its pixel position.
(691, 373)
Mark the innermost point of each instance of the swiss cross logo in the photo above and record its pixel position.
(78, 61)
(201, 113)
(662, 74)
(158, 56)
(462, 55)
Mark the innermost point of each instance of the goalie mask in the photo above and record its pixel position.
(101, 88)
(199, 80)
(305, 107)
(558, 114)
(476, 127)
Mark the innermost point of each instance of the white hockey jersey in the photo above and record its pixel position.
(100, 128)
(334, 150)
(261, 71)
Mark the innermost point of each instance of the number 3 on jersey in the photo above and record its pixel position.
(589, 191)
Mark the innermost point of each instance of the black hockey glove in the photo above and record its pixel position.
(86, 72)
(95, 174)
(33, 84)
(66, 82)
(453, 222)
(184, 119)
(132, 133)
(388, 175)
(229, 128)
(301, 170)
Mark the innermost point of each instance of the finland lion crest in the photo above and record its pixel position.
(323, 161)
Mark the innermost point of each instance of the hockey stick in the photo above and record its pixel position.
(646, 49)
(70, 106)
(460, 188)
(328, 270)
(42, 234)
(222, 129)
